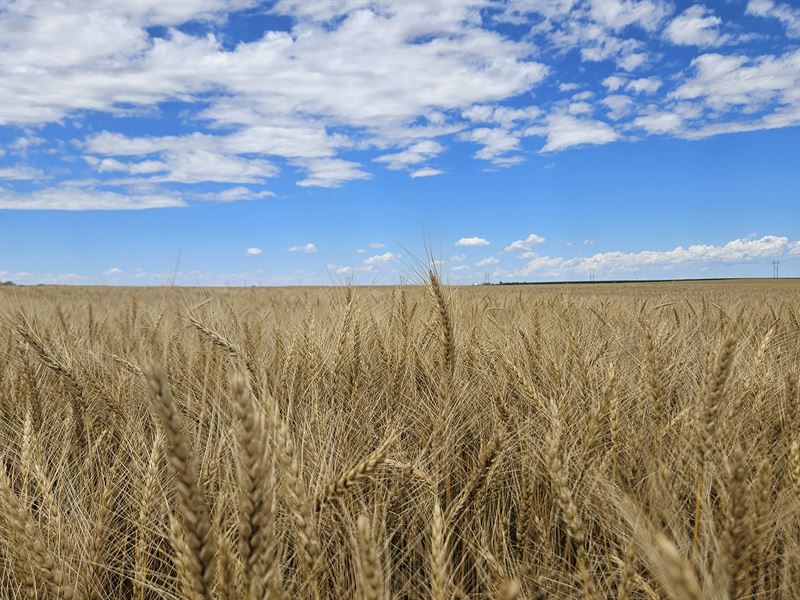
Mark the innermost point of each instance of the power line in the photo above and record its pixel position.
(776, 265)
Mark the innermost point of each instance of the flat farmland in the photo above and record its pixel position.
(631, 440)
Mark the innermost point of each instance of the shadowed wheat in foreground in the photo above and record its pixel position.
(512, 442)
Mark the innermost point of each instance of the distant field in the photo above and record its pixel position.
(633, 440)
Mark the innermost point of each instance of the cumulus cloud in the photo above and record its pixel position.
(785, 13)
(595, 27)
(529, 242)
(330, 172)
(113, 271)
(614, 82)
(696, 26)
(565, 131)
(736, 251)
(485, 262)
(376, 245)
(21, 173)
(253, 251)
(195, 166)
(306, 248)
(336, 92)
(496, 143)
(644, 85)
(426, 172)
(416, 153)
(383, 77)
(505, 116)
(379, 259)
(619, 105)
(472, 242)
(659, 122)
(726, 82)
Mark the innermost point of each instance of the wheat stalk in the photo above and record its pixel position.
(193, 512)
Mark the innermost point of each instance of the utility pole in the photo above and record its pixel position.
(776, 265)
(486, 278)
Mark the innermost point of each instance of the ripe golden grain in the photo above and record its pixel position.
(429, 442)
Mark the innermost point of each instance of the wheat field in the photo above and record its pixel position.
(577, 441)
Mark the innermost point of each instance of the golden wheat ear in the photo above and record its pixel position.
(193, 513)
(29, 544)
(257, 542)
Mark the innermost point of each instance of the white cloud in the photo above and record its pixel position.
(21, 173)
(341, 269)
(66, 197)
(589, 242)
(595, 27)
(253, 251)
(113, 271)
(306, 248)
(580, 108)
(350, 74)
(724, 82)
(505, 116)
(458, 258)
(472, 242)
(529, 242)
(379, 259)
(426, 172)
(610, 263)
(376, 245)
(565, 131)
(632, 61)
(619, 105)
(485, 262)
(660, 122)
(614, 82)
(460, 268)
(400, 80)
(349, 57)
(644, 85)
(233, 194)
(197, 166)
(790, 17)
(496, 141)
(618, 14)
(330, 172)
(696, 26)
(416, 153)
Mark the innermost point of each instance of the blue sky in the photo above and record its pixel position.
(305, 142)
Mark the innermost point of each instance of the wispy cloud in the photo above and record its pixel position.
(76, 198)
(305, 248)
(426, 172)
